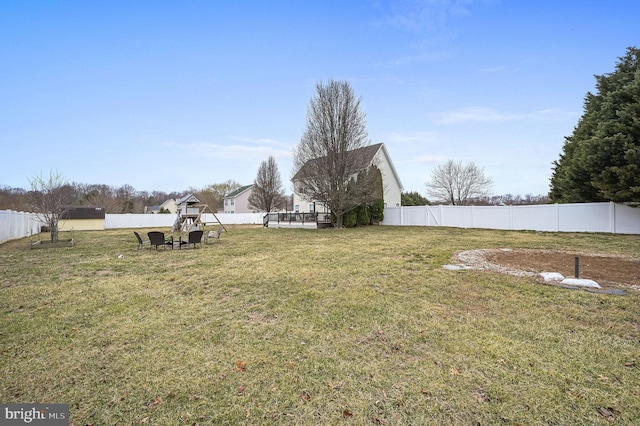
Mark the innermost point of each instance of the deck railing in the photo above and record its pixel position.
(296, 218)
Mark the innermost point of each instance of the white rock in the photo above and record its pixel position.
(456, 267)
(580, 282)
(551, 276)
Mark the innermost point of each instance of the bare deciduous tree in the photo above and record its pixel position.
(213, 195)
(267, 193)
(102, 195)
(328, 157)
(48, 198)
(456, 184)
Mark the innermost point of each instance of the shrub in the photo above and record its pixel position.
(376, 211)
(350, 218)
(363, 218)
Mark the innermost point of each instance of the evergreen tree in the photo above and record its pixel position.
(600, 161)
(413, 198)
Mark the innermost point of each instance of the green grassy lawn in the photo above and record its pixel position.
(285, 326)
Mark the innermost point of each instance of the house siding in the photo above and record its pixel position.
(239, 203)
(305, 204)
(242, 203)
(81, 224)
(392, 188)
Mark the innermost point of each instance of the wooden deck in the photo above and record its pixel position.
(297, 220)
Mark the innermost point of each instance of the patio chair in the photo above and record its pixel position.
(194, 237)
(156, 239)
(141, 242)
(214, 235)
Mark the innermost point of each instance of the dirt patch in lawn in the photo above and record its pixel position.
(610, 271)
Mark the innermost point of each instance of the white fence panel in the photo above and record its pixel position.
(584, 217)
(115, 221)
(456, 216)
(15, 225)
(394, 216)
(593, 217)
(626, 220)
(542, 217)
(491, 217)
(414, 215)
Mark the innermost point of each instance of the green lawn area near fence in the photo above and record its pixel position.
(295, 326)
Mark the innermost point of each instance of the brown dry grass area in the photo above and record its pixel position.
(607, 270)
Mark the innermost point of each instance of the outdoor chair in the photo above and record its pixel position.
(194, 237)
(214, 235)
(157, 239)
(141, 242)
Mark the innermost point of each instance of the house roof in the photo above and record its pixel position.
(238, 191)
(189, 198)
(83, 212)
(364, 158)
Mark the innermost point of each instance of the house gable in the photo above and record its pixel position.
(367, 156)
(238, 200)
(390, 179)
(170, 205)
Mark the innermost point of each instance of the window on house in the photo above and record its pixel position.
(311, 208)
(297, 208)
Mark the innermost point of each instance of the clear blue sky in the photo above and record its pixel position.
(167, 95)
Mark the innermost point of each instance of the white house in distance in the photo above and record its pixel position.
(238, 201)
(373, 155)
(170, 205)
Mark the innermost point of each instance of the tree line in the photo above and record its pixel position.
(414, 198)
(122, 199)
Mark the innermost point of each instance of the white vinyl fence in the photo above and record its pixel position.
(587, 217)
(15, 225)
(115, 221)
(584, 217)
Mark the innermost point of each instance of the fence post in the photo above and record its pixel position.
(5, 228)
(612, 217)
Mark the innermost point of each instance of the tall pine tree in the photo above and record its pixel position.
(600, 161)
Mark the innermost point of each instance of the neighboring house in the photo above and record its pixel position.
(169, 205)
(82, 218)
(372, 155)
(238, 201)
